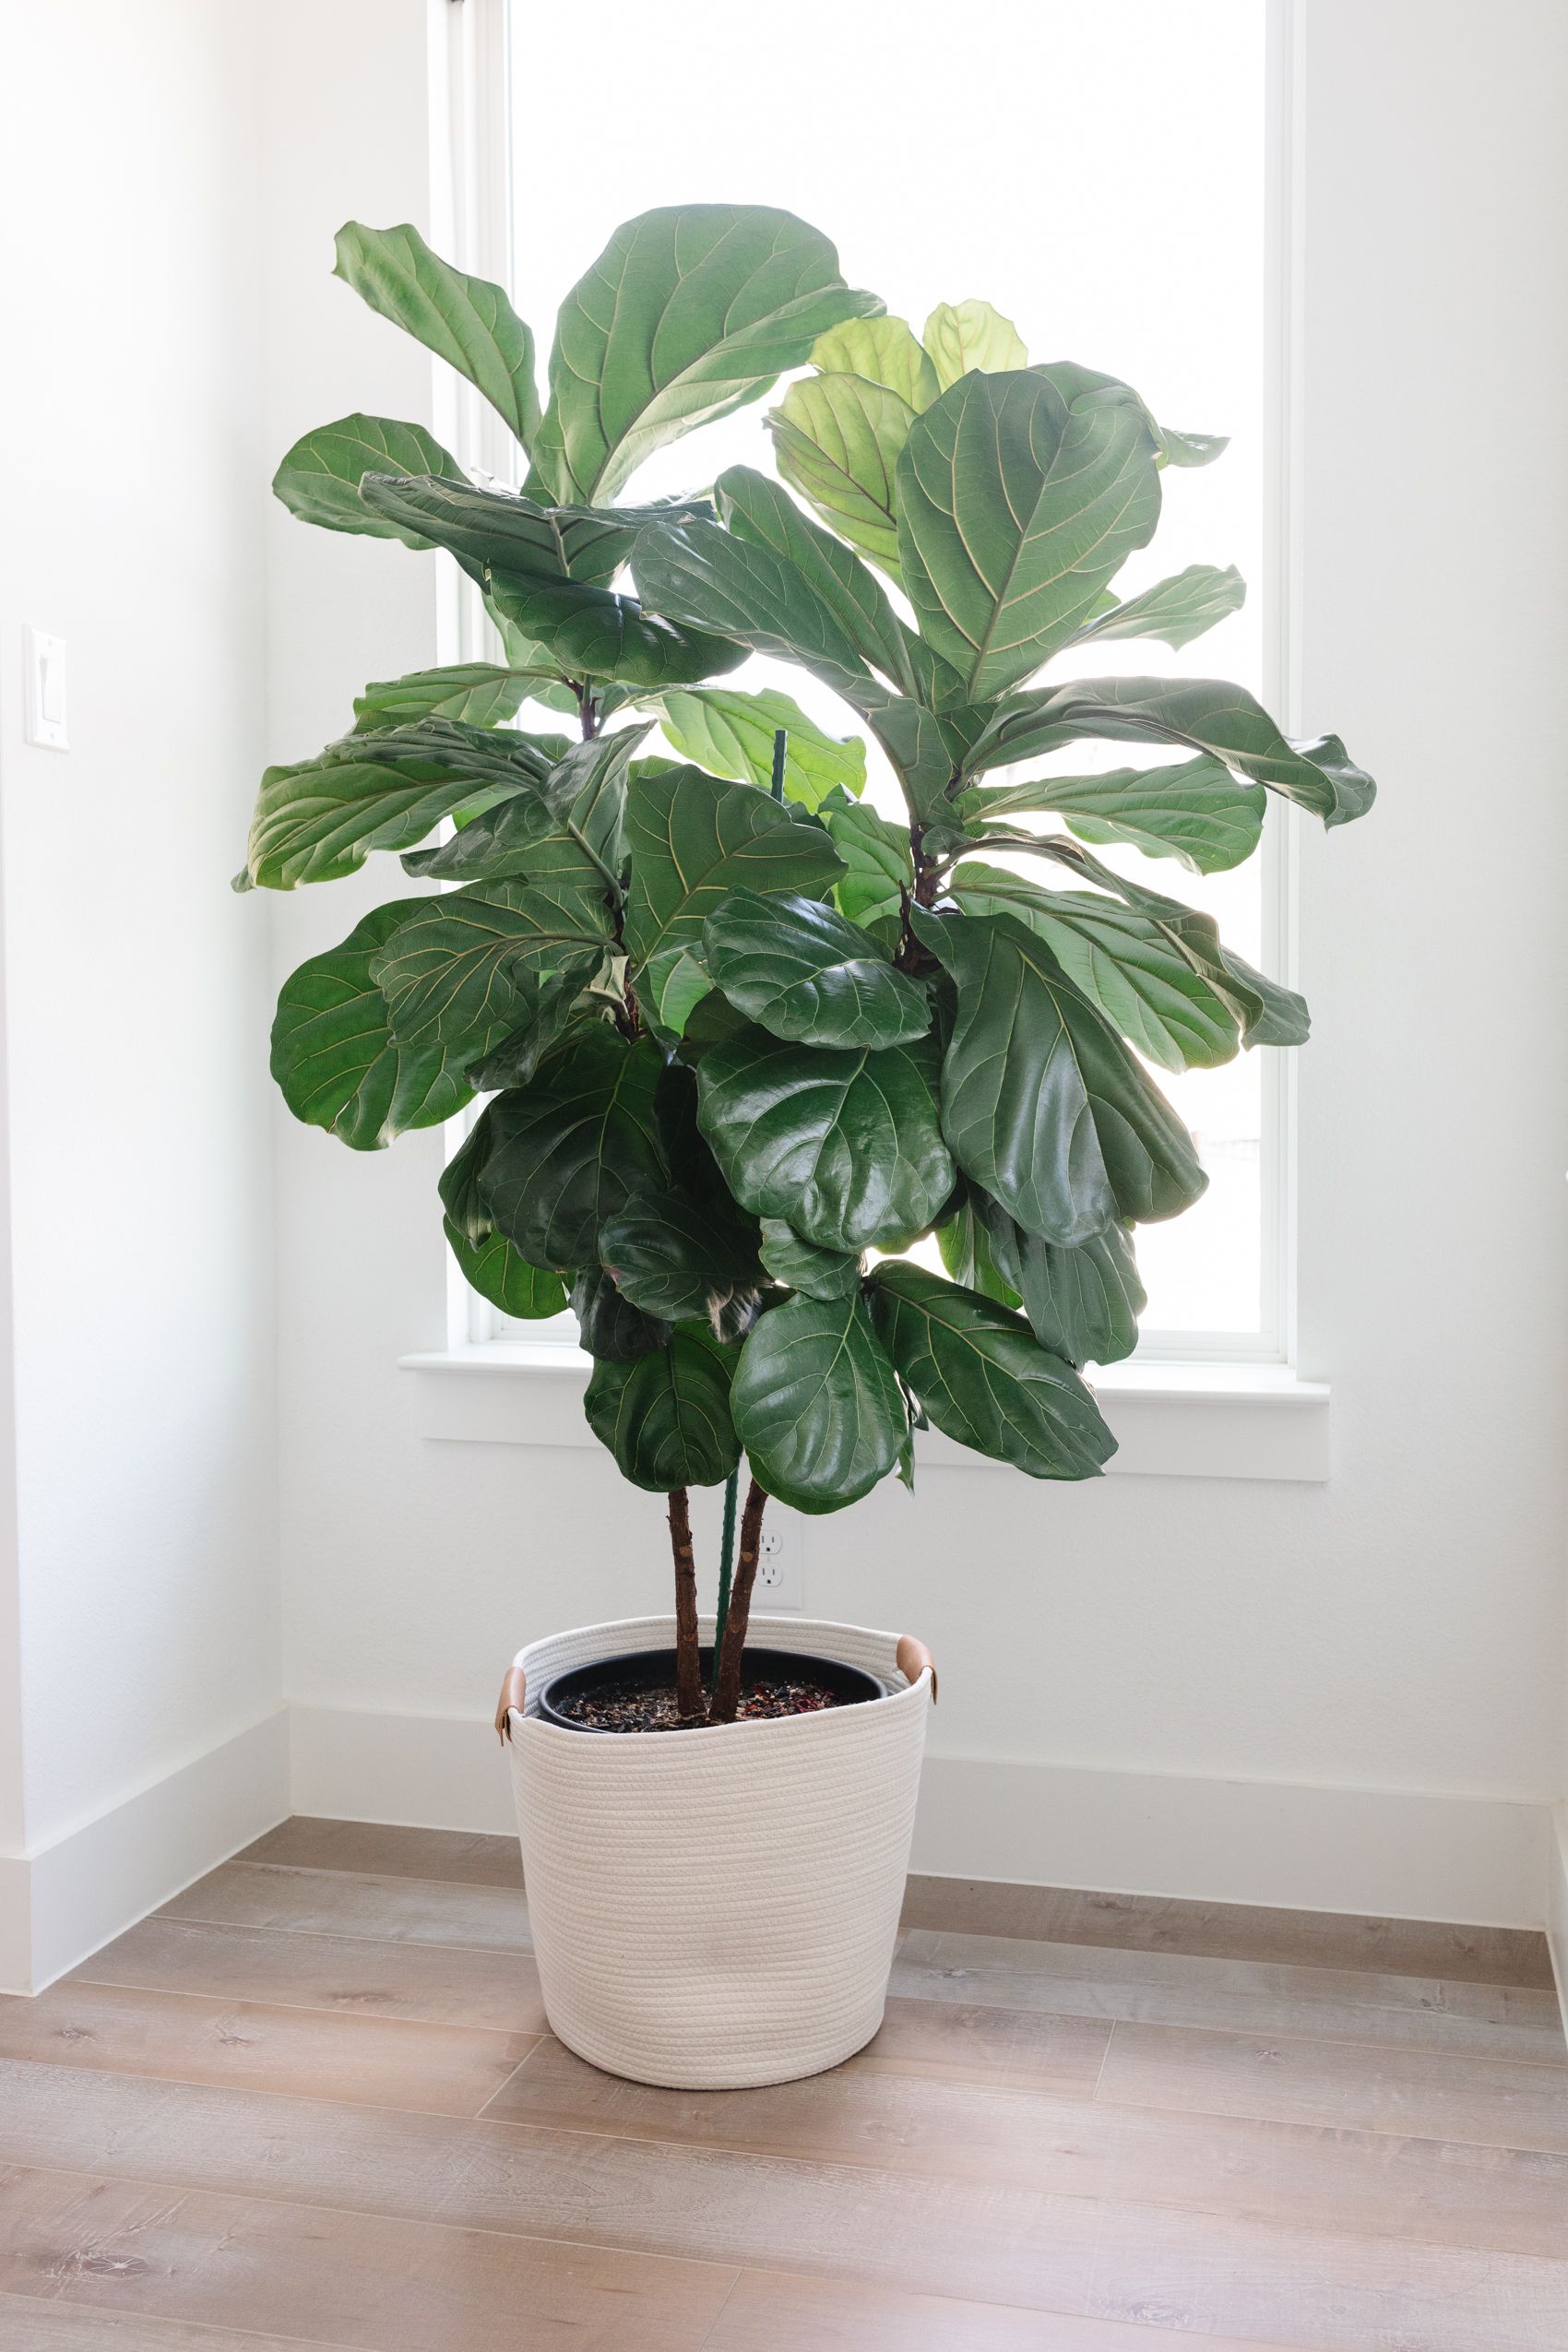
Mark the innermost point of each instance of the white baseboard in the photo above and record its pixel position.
(1403, 1854)
(65, 1900)
(1557, 1904)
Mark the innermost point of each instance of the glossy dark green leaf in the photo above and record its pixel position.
(672, 1257)
(847, 1147)
(1014, 510)
(334, 1055)
(1194, 809)
(493, 1268)
(800, 1266)
(1082, 1304)
(761, 511)
(817, 1405)
(320, 819)
(804, 971)
(730, 733)
(1178, 610)
(962, 337)
(457, 972)
(585, 789)
(1206, 714)
(466, 1211)
(694, 840)
(466, 321)
(878, 868)
(593, 633)
(551, 1005)
(1041, 1102)
(574, 1148)
(1141, 978)
(666, 1416)
(882, 351)
(476, 694)
(609, 1327)
(837, 440)
(319, 479)
(706, 579)
(984, 1379)
(691, 311)
(500, 530)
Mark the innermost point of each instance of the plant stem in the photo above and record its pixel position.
(587, 717)
(781, 746)
(689, 1699)
(725, 1562)
(727, 1682)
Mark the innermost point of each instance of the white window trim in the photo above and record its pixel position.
(1194, 1404)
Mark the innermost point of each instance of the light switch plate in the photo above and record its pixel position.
(43, 664)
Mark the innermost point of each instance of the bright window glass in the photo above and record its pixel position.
(1097, 174)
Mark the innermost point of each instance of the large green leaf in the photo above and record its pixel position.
(1207, 714)
(551, 1005)
(837, 439)
(1178, 610)
(1194, 809)
(493, 1268)
(961, 337)
(1083, 1304)
(671, 985)
(334, 1055)
(816, 1404)
(1041, 1102)
(666, 1416)
(594, 633)
(319, 479)
(487, 528)
(691, 311)
(762, 512)
(466, 321)
(803, 971)
(609, 1326)
(730, 732)
(1139, 976)
(585, 792)
(1014, 510)
(1174, 448)
(1268, 1014)
(882, 351)
(456, 973)
(476, 694)
(705, 578)
(694, 840)
(319, 820)
(672, 1257)
(847, 1147)
(878, 868)
(574, 1148)
(984, 1379)
(800, 1266)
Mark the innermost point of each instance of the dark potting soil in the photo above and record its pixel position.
(624, 1706)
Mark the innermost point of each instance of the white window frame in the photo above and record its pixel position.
(472, 221)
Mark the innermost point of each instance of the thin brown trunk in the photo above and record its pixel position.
(727, 1689)
(689, 1697)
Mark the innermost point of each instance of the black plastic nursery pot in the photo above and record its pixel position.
(642, 1670)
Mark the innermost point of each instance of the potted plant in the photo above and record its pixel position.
(747, 1045)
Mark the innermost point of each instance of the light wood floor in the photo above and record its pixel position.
(313, 2101)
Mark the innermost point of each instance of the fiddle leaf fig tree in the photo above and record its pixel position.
(752, 1057)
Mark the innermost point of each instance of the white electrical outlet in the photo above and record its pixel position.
(780, 1579)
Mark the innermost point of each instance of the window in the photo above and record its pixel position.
(1099, 175)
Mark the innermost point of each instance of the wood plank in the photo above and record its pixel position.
(462, 1857)
(1486, 2101)
(770, 2312)
(1030, 2049)
(1165, 1987)
(1337, 2181)
(28, 2324)
(253, 1895)
(339, 2277)
(1233, 1931)
(440, 1984)
(191, 2037)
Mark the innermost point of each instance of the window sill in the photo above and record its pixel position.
(1203, 1420)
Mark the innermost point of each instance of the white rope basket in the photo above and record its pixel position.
(716, 1909)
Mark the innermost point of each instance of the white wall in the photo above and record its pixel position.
(144, 1578)
(1235, 1684)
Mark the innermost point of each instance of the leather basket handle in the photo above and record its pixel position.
(915, 1659)
(514, 1693)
